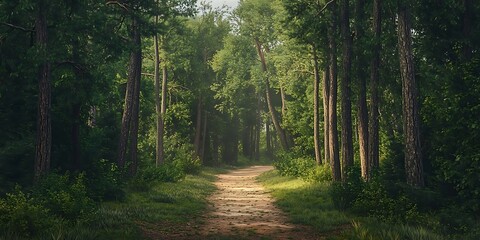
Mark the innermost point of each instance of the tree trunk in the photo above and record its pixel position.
(268, 138)
(413, 152)
(215, 146)
(258, 128)
(373, 136)
(163, 111)
(316, 114)
(326, 97)
(44, 128)
(347, 140)
(362, 90)
(332, 102)
(273, 113)
(76, 136)
(135, 120)
(204, 138)
(198, 127)
(134, 72)
(158, 106)
(246, 141)
(467, 29)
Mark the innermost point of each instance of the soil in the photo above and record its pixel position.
(243, 209)
(240, 209)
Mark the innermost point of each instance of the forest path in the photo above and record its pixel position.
(242, 209)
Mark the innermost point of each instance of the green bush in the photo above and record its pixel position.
(182, 154)
(187, 161)
(65, 196)
(22, 216)
(105, 182)
(372, 199)
(168, 172)
(302, 167)
(320, 173)
(345, 193)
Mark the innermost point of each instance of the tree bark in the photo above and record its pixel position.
(215, 148)
(467, 29)
(163, 111)
(316, 114)
(273, 113)
(76, 136)
(268, 138)
(43, 144)
(332, 101)
(198, 127)
(413, 152)
(362, 90)
(246, 141)
(326, 97)
(134, 73)
(373, 136)
(158, 106)
(204, 138)
(258, 128)
(347, 140)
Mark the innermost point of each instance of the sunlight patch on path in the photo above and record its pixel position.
(242, 208)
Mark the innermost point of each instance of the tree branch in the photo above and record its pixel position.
(326, 5)
(148, 74)
(17, 27)
(119, 4)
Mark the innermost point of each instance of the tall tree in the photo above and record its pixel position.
(130, 113)
(44, 127)
(332, 100)
(159, 156)
(256, 17)
(413, 151)
(373, 136)
(326, 111)
(316, 103)
(361, 75)
(347, 140)
(268, 97)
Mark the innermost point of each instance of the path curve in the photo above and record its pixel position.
(243, 209)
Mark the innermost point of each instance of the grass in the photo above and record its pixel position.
(143, 215)
(306, 203)
(310, 204)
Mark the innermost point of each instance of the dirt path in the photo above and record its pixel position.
(242, 209)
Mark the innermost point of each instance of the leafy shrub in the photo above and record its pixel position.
(306, 168)
(187, 161)
(105, 181)
(345, 193)
(22, 216)
(320, 173)
(168, 172)
(64, 196)
(182, 154)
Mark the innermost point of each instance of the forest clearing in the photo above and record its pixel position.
(267, 119)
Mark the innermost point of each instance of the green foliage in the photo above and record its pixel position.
(345, 193)
(147, 177)
(304, 202)
(378, 230)
(105, 181)
(65, 196)
(306, 168)
(181, 154)
(24, 216)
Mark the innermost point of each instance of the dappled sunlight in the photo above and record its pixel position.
(243, 205)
